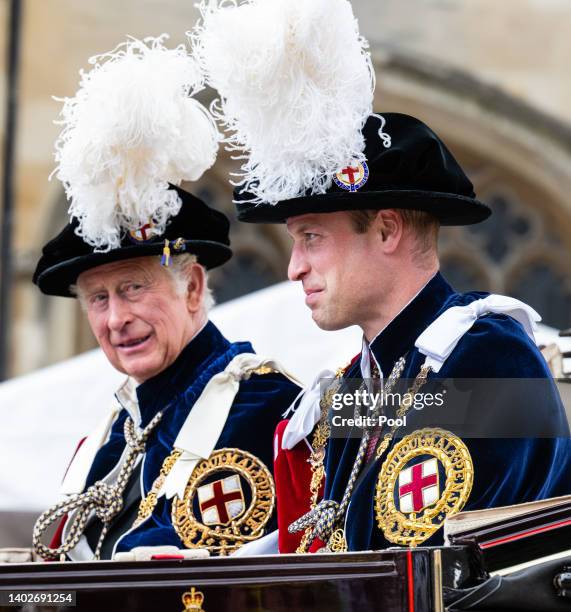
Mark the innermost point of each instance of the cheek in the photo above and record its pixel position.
(350, 272)
(324, 263)
(343, 268)
(167, 318)
(97, 322)
(359, 255)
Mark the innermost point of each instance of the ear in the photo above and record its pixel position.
(195, 287)
(389, 225)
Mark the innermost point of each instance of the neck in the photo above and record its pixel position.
(393, 302)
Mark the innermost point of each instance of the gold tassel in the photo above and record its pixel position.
(166, 258)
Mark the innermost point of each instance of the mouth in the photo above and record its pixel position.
(311, 295)
(133, 344)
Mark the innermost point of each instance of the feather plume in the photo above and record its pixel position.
(296, 86)
(130, 130)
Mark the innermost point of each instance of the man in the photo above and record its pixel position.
(183, 460)
(373, 262)
(363, 196)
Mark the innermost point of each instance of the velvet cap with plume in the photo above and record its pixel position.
(296, 86)
(131, 135)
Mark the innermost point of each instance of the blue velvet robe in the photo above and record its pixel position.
(509, 470)
(257, 408)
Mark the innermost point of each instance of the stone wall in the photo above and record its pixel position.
(492, 77)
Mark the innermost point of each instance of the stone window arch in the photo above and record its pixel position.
(518, 251)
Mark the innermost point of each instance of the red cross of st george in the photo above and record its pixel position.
(416, 486)
(220, 499)
(350, 172)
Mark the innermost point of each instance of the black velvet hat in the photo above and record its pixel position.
(417, 172)
(196, 229)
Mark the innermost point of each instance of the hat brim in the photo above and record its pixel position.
(57, 279)
(449, 209)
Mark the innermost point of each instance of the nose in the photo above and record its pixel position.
(298, 265)
(119, 313)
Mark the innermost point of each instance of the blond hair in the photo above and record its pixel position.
(422, 224)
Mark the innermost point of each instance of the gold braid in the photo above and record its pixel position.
(318, 444)
(323, 431)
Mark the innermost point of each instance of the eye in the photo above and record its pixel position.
(98, 300)
(310, 237)
(133, 289)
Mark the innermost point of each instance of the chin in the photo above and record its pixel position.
(328, 324)
(140, 372)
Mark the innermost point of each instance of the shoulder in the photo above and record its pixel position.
(495, 346)
(267, 388)
(258, 407)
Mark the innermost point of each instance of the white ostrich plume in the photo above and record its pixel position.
(296, 84)
(130, 130)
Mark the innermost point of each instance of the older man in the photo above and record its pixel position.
(184, 458)
(192, 400)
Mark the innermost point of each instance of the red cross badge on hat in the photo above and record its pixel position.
(144, 233)
(221, 501)
(352, 177)
(426, 477)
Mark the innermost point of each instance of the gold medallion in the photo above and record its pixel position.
(228, 500)
(426, 477)
(148, 503)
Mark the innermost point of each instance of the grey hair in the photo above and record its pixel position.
(178, 272)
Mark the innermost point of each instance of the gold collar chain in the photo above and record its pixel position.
(337, 542)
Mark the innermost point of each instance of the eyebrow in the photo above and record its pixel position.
(88, 286)
(300, 229)
(89, 291)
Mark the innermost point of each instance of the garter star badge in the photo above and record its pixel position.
(228, 500)
(352, 177)
(426, 477)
